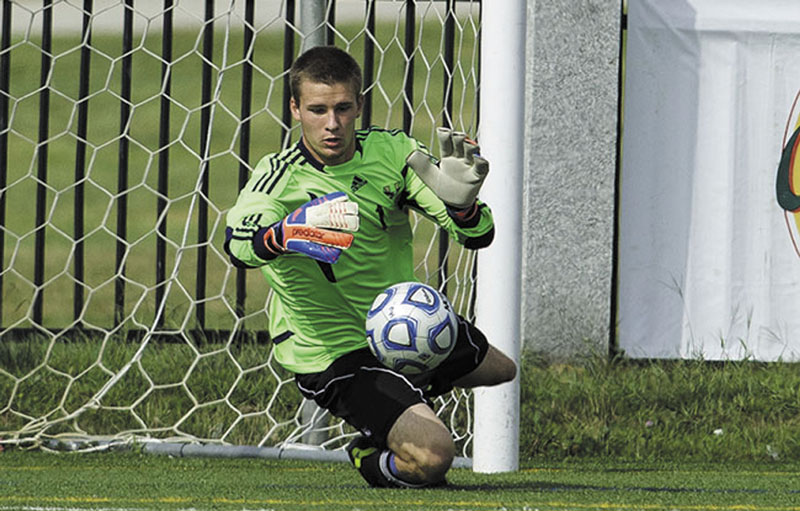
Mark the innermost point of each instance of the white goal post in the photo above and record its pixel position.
(500, 265)
(126, 130)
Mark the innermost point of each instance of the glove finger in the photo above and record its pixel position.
(344, 216)
(344, 208)
(305, 213)
(481, 166)
(445, 142)
(458, 144)
(471, 149)
(322, 215)
(422, 164)
(339, 213)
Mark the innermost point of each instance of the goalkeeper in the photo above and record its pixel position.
(326, 221)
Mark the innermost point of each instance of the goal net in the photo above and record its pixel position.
(126, 130)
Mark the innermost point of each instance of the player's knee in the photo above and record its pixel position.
(422, 444)
(434, 461)
(430, 457)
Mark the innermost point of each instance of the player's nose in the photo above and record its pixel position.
(332, 121)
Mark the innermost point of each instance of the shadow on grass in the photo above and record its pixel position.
(546, 487)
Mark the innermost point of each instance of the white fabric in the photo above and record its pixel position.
(707, 268)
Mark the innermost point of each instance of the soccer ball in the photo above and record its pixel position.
(411, 327)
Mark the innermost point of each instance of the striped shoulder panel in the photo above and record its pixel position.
(278, 163)
(363, 134)
(247, 228)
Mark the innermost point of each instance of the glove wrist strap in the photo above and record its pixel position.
(267, 242)
(464, 217)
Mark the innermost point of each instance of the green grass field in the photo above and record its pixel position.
(662, 435)
(738, 412)
(122, 481)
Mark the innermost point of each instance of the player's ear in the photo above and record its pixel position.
(359, 104)
(295, 108)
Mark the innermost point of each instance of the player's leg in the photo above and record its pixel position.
(419, 452)
(473, 363)
(422, 445)
(495, 368)
(377, 401)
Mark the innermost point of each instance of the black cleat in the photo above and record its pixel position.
(359, 448)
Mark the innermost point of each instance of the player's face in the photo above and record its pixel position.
(327, 114)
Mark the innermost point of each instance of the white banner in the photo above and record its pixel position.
(708, 266)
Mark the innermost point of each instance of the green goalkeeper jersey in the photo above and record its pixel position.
(318, 310)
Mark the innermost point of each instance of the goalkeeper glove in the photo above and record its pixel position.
(458, 176)
(307, 230)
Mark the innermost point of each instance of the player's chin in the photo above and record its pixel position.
(332, 155)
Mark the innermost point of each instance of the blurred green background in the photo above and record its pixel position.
(100, 183)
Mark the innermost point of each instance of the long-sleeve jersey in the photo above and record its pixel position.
(318, 310)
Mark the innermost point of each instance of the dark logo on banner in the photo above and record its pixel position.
(787, 185)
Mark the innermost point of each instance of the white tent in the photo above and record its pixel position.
(707, 265)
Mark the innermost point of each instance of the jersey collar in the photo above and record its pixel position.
(314, 162)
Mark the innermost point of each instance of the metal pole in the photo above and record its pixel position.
(409, 46)
(312, 23)
(205, 166)
(80, 160)
(5, 82)
(123, 161)
(288, 57)
(194, 450)
(41, 161)
(244, 140)
(447, 122)
(498, 299)
(163, 156)
(368, 65)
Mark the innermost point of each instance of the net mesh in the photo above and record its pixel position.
(127, 130)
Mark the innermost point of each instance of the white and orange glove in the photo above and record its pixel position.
(315, 229)
(458, 176)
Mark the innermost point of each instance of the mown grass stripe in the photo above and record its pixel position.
(373, 505)
(55, 508)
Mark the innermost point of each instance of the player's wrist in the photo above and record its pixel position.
(464, 216)
(268, 242)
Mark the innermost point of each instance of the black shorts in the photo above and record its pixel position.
(370, 397)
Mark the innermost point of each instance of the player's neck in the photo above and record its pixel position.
(315, 160)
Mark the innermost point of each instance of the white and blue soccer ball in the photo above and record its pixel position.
(411, 327)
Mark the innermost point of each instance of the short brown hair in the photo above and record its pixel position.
(324, 64)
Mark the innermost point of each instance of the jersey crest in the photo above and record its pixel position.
(357, 183)
(391, 191)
